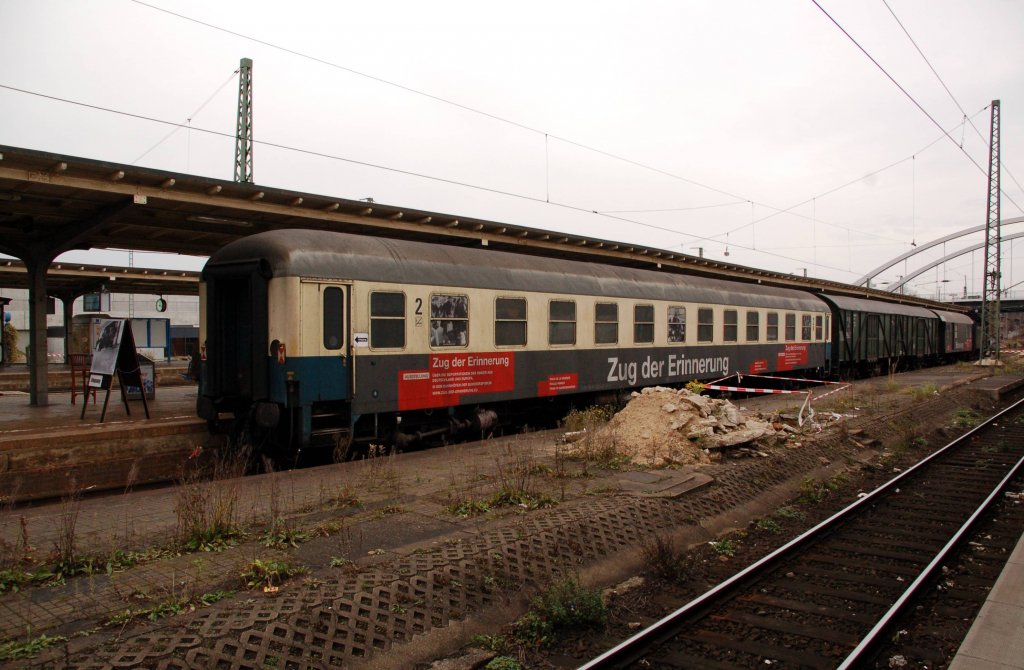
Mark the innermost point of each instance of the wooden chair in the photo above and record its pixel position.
(80, 366)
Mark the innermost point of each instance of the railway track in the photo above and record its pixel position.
(830, 597)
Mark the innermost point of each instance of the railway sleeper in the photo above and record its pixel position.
(801, 606)
(761, 650)
(780, 625)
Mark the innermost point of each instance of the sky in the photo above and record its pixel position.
(757, 133)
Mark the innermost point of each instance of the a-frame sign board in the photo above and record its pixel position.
(114, 353)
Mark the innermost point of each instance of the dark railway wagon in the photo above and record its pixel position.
(869, 335)
(956, 334)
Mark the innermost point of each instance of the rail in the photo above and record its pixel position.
(639, 645)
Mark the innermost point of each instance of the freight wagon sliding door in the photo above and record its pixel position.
(326, 340)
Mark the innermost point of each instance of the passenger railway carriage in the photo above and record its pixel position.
(314, 336)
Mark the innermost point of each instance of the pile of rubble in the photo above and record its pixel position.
(662, 426)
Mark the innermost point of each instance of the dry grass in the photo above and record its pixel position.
(14, 544)
(65, 545)
(206, 507)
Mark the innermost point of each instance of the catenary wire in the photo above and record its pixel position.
(443, 180)
(949, 92)
(907, 94)
(188, 118)
(464, 107)
(719, 236)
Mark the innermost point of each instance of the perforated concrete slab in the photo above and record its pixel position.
(663, 484)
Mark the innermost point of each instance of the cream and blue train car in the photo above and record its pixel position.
(317, 337)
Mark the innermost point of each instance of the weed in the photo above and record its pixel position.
(723, 547)
(388, 510)
(346, 498)
(922, 392)
(13, 650)
(269, 573)
(524, 499)
(12, 579)
(468, 508)
(503, 663)
(695, 387)
(496, 643)
(282, 534)
(563, 605)
(206, 513)
(769, 525)
(513, 470)
(813, 492)
(966, 417)
(214, 597)
(118, 559)
(168, 607)
(664, 560)
(64, 545)
(587, 419)
(379, 468)
(339, 562)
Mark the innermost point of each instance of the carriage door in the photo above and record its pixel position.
(326, 338)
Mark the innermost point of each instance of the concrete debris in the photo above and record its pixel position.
(623, 587)
(662, 426)
(574, 436)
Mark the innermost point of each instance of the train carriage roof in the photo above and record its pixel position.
(953, 317)
(877, 306)
(330, 255)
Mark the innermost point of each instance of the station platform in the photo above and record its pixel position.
(996, 639)
(51, 450)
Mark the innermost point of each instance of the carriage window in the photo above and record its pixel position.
(606, 323)
(729, 329)
(510, 322)
(449, 320)
(772, 331)
(387, 320)
(818, 327)
(562, 322)
(805, 327)
(643, 323)
(705, 324)
(676, 324)
(790, 327)
(334, 318)
(753, 326)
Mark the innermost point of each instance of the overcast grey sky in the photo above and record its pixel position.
(742, 109)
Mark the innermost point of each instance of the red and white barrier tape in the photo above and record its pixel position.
(744, 389)
(845, 386)
(716, 386)
(788, 379)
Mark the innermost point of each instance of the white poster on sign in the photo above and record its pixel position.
(104, 354)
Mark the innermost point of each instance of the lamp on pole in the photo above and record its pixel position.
(938, 287)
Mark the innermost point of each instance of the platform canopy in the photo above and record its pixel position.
(50, 204)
